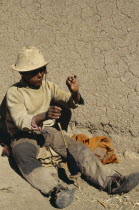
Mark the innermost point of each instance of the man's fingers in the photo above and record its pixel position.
(33, 123)
(54, 115)
(54, 112)
(72, 78)
(55, 109)
(34, 126)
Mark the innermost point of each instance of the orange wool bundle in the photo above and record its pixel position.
(101, 145)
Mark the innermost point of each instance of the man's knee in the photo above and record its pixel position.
(25, 157)
(43, 179)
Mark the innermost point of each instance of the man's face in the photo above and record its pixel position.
(35, 77)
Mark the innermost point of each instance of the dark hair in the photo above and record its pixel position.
(41, 69)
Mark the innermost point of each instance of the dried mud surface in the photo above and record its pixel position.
(17, 194)
(98, 41)
(95, 39)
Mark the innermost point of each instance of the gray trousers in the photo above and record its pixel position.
(45, 179)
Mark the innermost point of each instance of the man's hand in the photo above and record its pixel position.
(54, 112)
(72, 84)
(37, 121)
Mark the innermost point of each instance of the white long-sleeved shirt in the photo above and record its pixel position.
(24, 102)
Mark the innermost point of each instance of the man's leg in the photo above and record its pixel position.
(44, 179)
(88, 164)
(25, 152)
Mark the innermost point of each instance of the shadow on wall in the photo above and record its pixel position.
(4, 136)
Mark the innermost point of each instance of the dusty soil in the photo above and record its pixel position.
(98, 41)
(17, 194)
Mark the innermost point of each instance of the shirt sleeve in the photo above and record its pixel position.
(64, 98)
(17, 110)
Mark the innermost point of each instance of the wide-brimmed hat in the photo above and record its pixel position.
(29, 59)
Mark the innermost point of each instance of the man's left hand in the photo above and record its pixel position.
(72, 84)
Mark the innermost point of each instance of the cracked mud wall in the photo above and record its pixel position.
(95, 39)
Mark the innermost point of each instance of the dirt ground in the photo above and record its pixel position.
(98, 41)
(17, 194)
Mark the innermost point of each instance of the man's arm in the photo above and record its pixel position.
(73, 86)
(21, 118)
(54, 112)
(16, 110)
(70, 99)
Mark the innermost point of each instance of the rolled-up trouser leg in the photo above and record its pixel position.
(88, 164)
(43, 179)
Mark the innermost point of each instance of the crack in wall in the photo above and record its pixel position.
(98, 40)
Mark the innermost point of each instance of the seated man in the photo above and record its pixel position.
(29, 121)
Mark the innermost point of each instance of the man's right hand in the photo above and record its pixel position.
(54, 112)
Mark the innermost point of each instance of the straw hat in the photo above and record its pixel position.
(28, 59)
